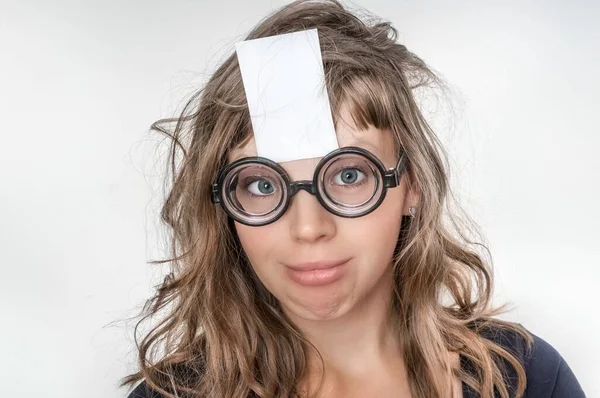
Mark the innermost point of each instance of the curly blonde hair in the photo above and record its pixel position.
(221, 333)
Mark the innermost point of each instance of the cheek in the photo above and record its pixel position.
(376, 234)
(258, 243)
(253, 240)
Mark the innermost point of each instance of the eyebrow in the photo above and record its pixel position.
(375, 150)
(371, 148)
(237, 154)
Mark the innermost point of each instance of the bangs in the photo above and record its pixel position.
(368, 100)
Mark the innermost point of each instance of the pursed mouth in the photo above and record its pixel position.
(325, 273)
(316, 265)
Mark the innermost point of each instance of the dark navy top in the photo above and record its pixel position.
(548, 375)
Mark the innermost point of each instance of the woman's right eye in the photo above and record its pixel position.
(261, 187)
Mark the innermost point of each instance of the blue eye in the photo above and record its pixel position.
(261, 187)
(348, 176)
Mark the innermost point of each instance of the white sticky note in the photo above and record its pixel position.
(287, 97)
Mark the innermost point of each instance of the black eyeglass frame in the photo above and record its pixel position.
(391, 178)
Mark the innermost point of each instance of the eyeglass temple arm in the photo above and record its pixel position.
(215, 197)
(392, 177)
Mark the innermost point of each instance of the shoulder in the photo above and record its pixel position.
(183, 375)
(548, 374)
(143, 391)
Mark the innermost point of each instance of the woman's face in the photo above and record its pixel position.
(307, 233)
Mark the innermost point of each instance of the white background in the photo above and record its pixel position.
(81, 81)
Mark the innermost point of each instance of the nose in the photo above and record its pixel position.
(309, 221)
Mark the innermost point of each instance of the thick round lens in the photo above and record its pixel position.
(350, 183)
(254, 191)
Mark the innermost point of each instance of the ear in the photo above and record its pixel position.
(413, 191)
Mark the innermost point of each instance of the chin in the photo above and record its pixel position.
(318, 306)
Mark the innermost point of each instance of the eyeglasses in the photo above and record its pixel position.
(349, 182)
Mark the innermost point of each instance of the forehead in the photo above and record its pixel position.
(379, 142)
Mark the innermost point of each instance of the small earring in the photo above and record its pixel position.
(412, 211)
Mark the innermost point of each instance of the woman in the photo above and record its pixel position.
(356, 287)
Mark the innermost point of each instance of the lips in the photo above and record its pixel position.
(316, 265)
(319, 273)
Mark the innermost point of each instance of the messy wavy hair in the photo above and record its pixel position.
(220, 332)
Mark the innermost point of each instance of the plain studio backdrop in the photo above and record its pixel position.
(81, 81)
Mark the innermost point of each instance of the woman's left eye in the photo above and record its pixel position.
(348, 176)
